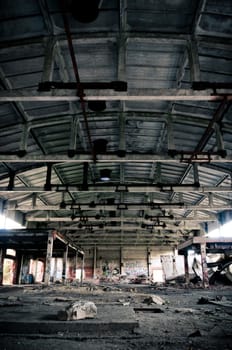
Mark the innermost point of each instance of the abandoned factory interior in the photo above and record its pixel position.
(116, 174)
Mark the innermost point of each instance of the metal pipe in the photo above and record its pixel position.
(80, 91)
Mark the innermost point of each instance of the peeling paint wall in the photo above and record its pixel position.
(128, 261)
(135, 261)
(173, 266)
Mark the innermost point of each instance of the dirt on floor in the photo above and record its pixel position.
(168, 317)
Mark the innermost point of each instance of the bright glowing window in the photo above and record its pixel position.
(214, 233)
(11, 252)
(8, 223)
(224, 231)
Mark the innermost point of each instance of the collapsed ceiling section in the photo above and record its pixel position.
(116, 122)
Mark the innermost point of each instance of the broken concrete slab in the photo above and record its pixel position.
(43, 319)
(78, 311)
(222, 301)
(196, 333)
(185, 310)
(154, 299)
(155, 310)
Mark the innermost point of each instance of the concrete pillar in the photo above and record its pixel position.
(186, 267)
(55, 270)
(174, 267)
(94, 261)
(76, 263)
(48, 258)
(65, 260)
(205, 277)
(121, 265)
(148, 262)
(82, 268)
(2, 255)
(20, 270)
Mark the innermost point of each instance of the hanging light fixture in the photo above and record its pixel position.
(105, 174)
(99, 146)
(85, 11)
(97, 106)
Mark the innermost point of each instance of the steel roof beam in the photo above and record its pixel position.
(135, 188)
(108, 229)
(130, 207)
(21, 95)
(152, 38)
(108, 158)
(91, 221)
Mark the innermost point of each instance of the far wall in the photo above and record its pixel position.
(159, 263)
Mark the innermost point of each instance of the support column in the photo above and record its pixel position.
(65, 260)
(2, 255)
(194, 62)
(76, 262)
(148, 262)
(94, 261)
(205, 277)
(121, 265)
(48, 258)
(82, 268)
(20, 270)
(174, 267)
(186, 267)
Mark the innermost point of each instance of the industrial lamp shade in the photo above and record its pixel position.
(99, 146)
(97, 106)
(85, 11)
(105, 174)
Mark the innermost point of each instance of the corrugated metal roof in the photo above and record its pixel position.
(169, 157)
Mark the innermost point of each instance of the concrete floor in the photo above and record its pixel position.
(124, 321)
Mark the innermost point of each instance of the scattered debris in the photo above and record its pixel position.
(77, 311)
(176, 280)
(140, 279)
(155, 310)
(154, 299)
(221, 301)
(197, 333)
(195, 280)
(131, 290)
(124, 302)
(111, 289)
(13, 298)
(62, 299)
(209, 312)
(186, 311)
(203, 300)
(10, 303)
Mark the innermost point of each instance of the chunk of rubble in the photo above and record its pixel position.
(78, 311)
(197, 333)
(219, 300)
(13, 298)
(154, 299)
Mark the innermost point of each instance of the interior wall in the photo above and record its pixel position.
(156, 262)
(8, 271)
(135, 261)
(25, 268)
(89, 263)
(172, 266)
